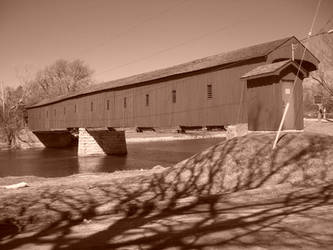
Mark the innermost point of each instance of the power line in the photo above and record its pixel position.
(296, 76)
(328, 21)
(201, 36)
(185, 42)
(318, 34)
(133, 27)
(204, 35)
(182, 44)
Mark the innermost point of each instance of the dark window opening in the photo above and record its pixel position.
(174, 96)
(75, 108)
(91, 106)
(125, 103)
(64, 110)
(209, 91)
(147, 100)
(108, 104)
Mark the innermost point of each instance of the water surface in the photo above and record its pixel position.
(64, 162)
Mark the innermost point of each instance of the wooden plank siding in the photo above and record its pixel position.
(289, 74)
(192, 106)
(284, 52)
(264, 103)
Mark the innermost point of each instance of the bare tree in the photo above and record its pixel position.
(320, 81)
(12, 114)
(324, 81)
(60, 78)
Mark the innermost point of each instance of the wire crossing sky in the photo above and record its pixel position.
(118, 38)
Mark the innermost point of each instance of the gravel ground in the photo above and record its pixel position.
(320, 127)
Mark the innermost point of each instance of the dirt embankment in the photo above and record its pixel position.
(25, 139)
(249, 162)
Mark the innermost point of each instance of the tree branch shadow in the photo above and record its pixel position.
(209, 200)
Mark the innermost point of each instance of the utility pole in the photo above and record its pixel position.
(300, 64)
(293, 47)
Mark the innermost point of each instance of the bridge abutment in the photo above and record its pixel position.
(55, 138)
(97, 141)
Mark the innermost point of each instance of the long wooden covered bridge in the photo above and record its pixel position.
(249, 85)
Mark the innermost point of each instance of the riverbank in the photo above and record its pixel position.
(236, 194)
(24, 140)
(167, 135)
(27, 140)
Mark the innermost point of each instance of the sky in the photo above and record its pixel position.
(119, 38)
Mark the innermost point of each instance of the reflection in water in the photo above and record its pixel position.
(101, 164)
(63, 162)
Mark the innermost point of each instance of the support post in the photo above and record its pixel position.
(281, 124)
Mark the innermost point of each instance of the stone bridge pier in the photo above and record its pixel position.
(56, 138)
(90, 141)
(96, 141)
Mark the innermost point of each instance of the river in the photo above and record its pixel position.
(64, 162)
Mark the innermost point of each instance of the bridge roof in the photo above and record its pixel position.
(225, 58)
(272, 69)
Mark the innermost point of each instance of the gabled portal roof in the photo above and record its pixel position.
(271, 69)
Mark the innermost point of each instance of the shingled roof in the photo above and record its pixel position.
(242, 54)
(271, 69)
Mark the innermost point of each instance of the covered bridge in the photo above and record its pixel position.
(249, 85)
